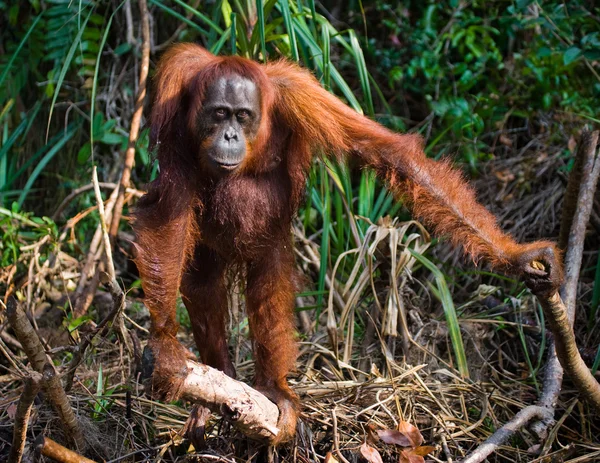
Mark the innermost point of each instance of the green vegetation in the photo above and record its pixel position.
(480, 80)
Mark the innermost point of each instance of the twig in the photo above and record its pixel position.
(30, 390)
(57, 452)
(571, 193)
(585, 201)
(88, 187)
(110, 266)
(101, 329)
(519, 421)
(116, 292)
(567, 351)
(581, 182)
(37, 358)
(80, 296)
(135, 122)
(336, 438)
(560, 316)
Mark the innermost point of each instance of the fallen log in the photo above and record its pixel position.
(244, 407)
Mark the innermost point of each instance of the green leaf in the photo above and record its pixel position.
(544, 52)
(111, 138)
(84, 153)
(122, 49)
(97, 126)
(571, 55)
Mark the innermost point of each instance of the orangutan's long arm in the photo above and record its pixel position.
(437, 193)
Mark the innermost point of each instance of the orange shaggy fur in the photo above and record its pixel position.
(191, 228)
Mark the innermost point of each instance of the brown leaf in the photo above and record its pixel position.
(329, 458)
(424, 450)
(370, 453)
(411, 432)
(391, 436)
(409, 456)
(372, 437)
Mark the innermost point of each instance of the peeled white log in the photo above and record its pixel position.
(246, 408)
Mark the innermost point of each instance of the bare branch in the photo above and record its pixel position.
(32, 387)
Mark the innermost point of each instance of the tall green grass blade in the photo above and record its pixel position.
(215, 17)
(530, 367)
(22, 128)
(216, 48)
(284, 7)
(241, 11)
(363, 73)
(379, 204)
(233, 34)
(244, 46)
(326, 214)
(315, 50)
(65, 68)
(38, 154)
(366, 193)
(261, 28)
(3, 161)
(326, 47)
(182, 18)
(449, 311)
(340, 223)
(6, 109)
(96, 70)
(19, 48)
(313, 14)
(47, 158)
(209, 22)
(309, 200)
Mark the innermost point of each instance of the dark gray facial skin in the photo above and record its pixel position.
(230, 117)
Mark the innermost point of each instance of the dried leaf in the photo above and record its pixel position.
(424, 450)
(372, 433)
(411, 432)
(370, 453)
(329, 458)
(391, 436)
(408, 456)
